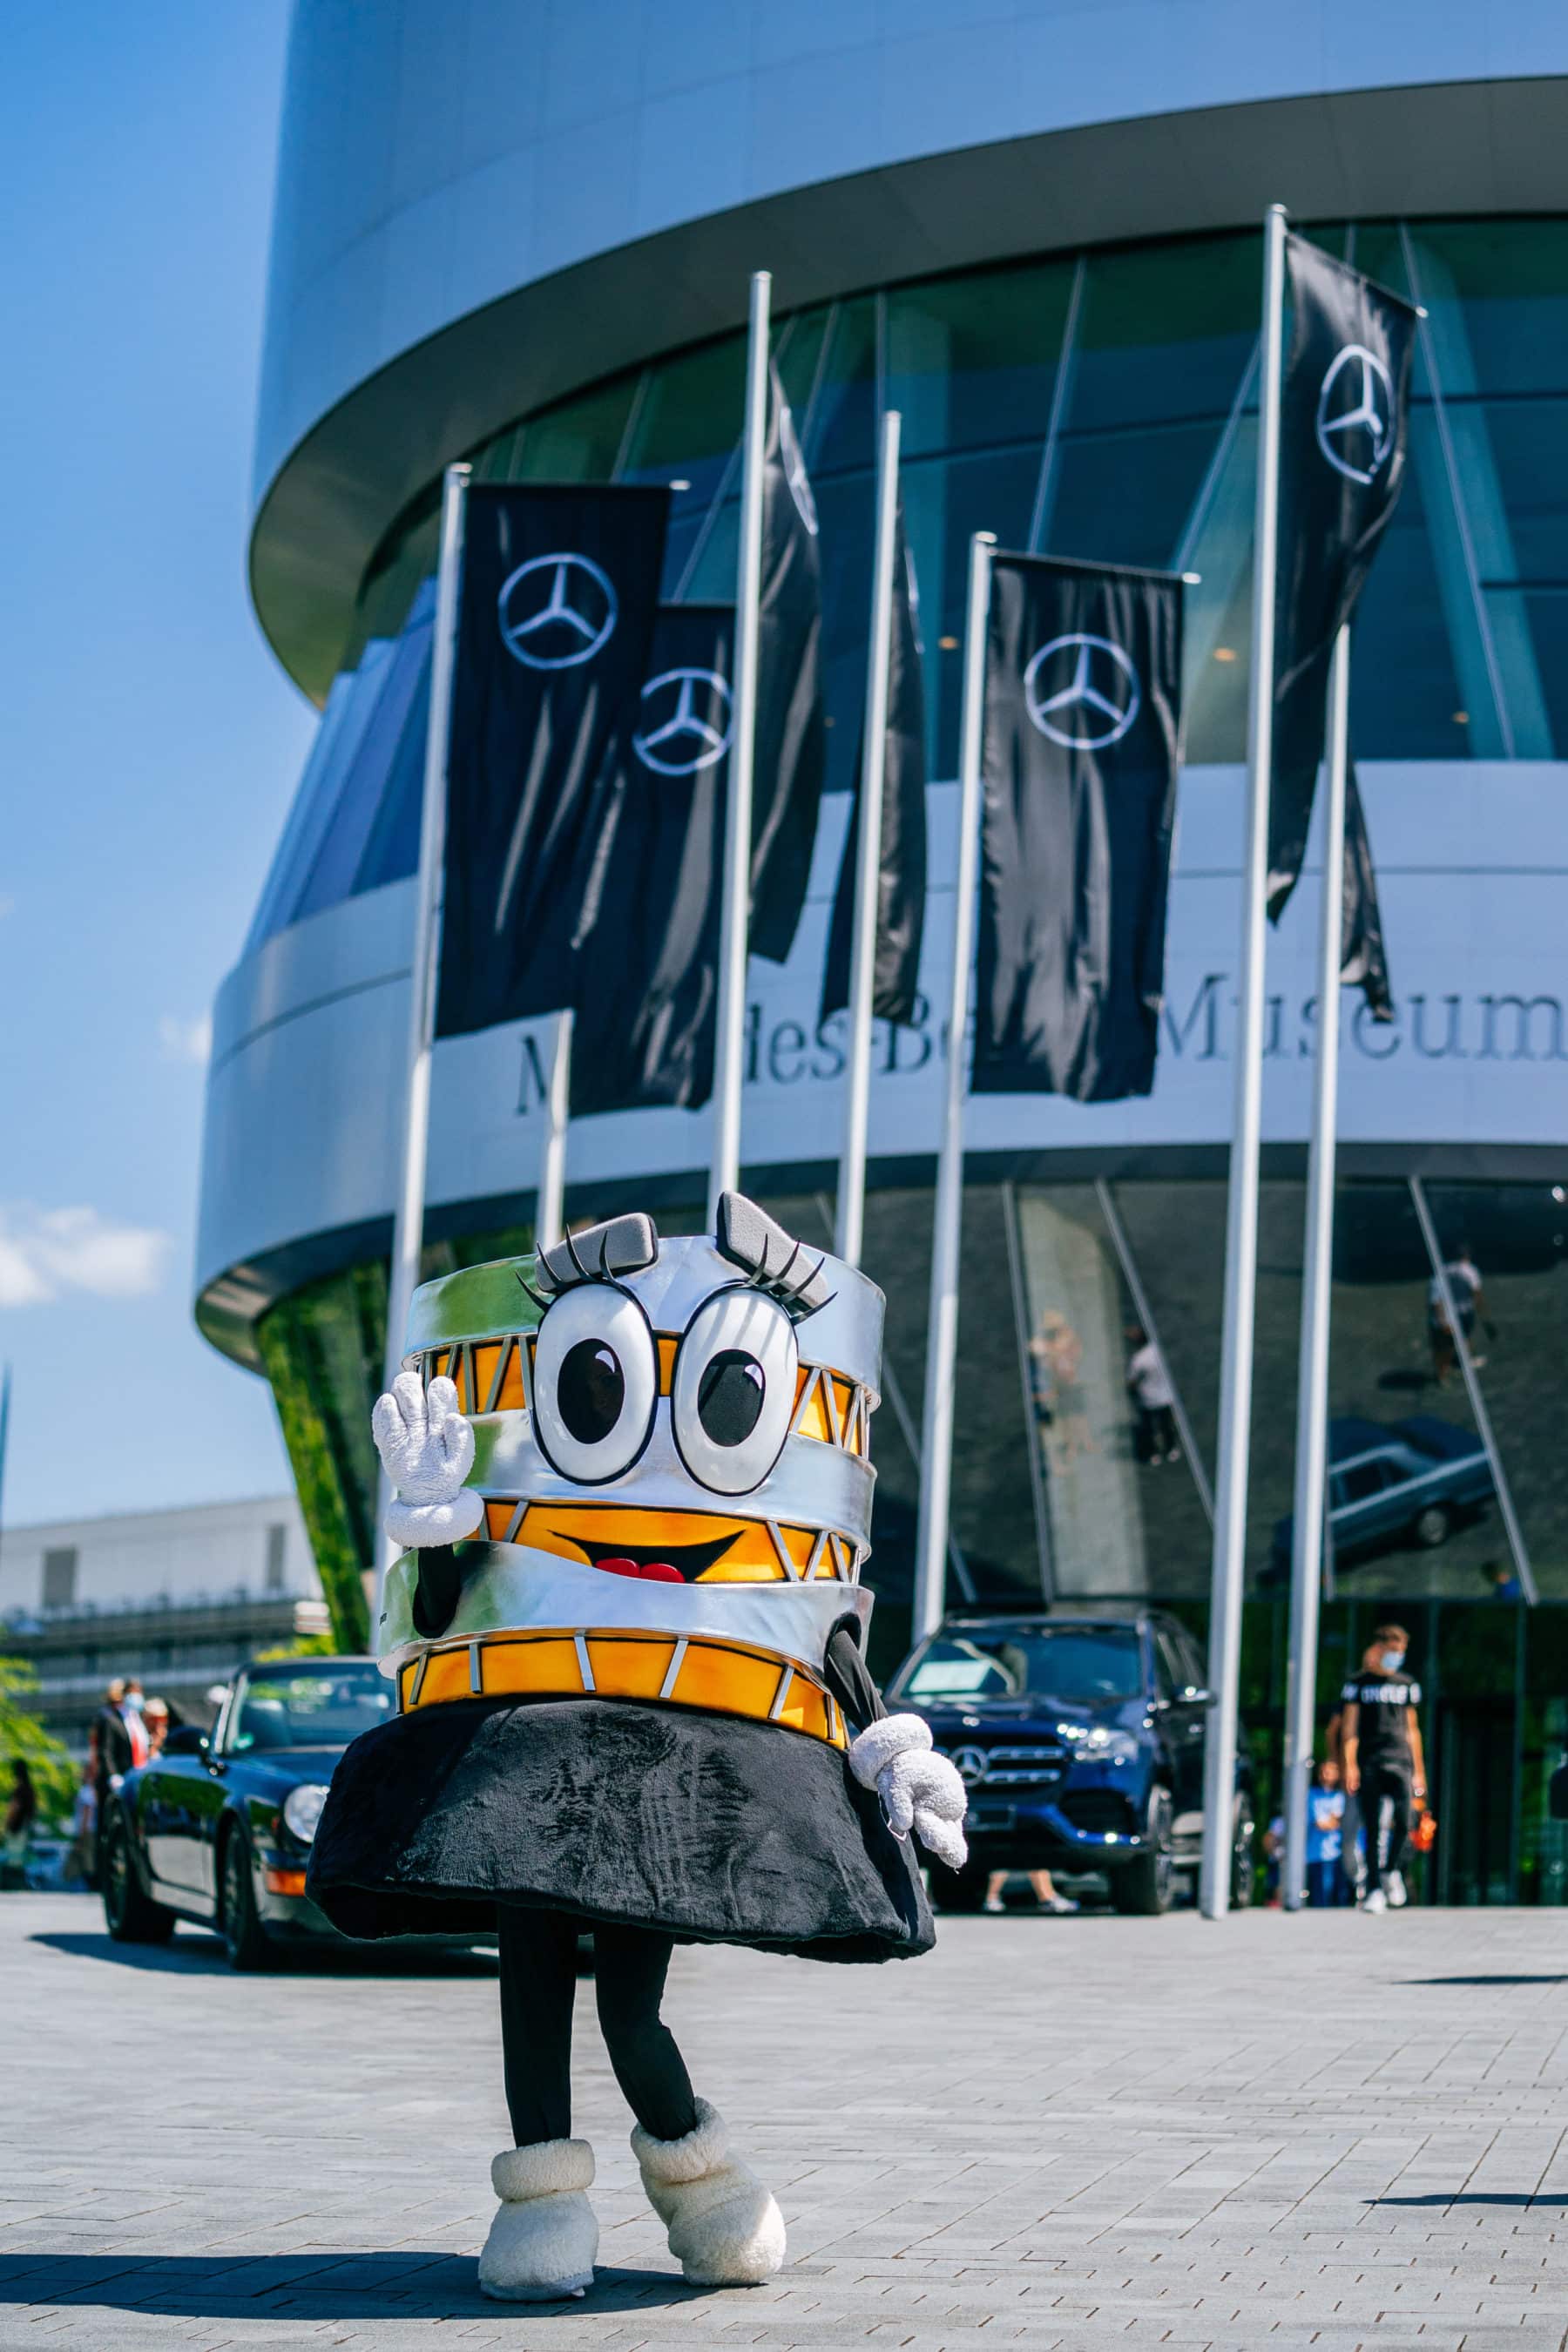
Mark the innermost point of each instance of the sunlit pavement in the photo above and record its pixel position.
(1328, 2131)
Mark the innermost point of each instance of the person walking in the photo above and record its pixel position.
(1465, 1289)
(1150, 1385)
(1384, 1764)
(1044, 1886)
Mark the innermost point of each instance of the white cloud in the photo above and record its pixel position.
(186, 1041)
(46, 1251)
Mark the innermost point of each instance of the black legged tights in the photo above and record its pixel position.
(537, 1983)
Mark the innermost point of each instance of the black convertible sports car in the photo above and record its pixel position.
(218, 1829)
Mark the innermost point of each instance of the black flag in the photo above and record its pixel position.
(560, 588)
(1364, 961)
(902, 857)
(1083, 683)
(790, 738)
(645, 1012)
(1342, 435)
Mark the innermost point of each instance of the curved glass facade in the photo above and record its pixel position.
(1099, 404)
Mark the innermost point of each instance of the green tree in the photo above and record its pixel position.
(24, 1739)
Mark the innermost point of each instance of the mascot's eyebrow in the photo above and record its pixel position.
(749, 1238)
(620, 1245)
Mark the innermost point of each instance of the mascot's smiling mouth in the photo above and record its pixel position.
(671, 1546)
(654, 1563)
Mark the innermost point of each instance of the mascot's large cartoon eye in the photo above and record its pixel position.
(734, 1391)
(596, 1384)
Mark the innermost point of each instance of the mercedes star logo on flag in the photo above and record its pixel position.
(684, 723)
(1356, 413)
(562, 616)
(1082, 691)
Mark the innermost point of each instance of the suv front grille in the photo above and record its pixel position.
(1031, 1767)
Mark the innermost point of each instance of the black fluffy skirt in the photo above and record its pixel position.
(715, 1829)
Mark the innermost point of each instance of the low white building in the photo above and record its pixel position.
(177, 1597)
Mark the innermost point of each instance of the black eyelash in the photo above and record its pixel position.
(791, 1296)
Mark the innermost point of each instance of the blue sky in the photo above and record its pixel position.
(150, 741)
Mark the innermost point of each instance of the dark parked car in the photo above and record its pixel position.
(1079, 1737)
(219, 1828)
(1403, 1482)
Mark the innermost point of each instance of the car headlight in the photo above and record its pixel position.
(1097, 1739)
(302, 1810)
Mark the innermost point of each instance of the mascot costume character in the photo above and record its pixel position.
(627, 1637)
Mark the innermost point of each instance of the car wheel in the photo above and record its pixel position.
(245, 1938)
(1144, 1886)
(130, 1916)
(1432, 1528)
(1242, 1873)
(959, 1890)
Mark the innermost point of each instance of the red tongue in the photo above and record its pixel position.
(652, 1571)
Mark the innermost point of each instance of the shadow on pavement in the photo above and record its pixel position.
(180, 1956)
(1483, 1981)
(306, 2286)
(1478, 2197)
(206, 1954)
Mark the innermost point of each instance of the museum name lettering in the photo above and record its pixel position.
(1199, 1026)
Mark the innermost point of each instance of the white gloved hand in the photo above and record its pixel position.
(427, 1449)
(917, 1789)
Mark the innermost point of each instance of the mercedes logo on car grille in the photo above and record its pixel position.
(1082, 691)
(686, 737)
(556, 611)
(1355, 413)
(972, 1764)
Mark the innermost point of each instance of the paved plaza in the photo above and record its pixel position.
(1329, 2131)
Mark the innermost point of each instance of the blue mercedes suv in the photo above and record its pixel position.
(1079, 1737)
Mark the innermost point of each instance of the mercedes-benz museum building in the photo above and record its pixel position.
(520, 232)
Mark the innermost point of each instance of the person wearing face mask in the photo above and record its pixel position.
(1384, 1767)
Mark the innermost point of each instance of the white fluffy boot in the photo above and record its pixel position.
(544, 2241)
(724, 2228)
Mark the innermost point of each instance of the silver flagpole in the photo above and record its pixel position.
(548, 1207)
(942, 1327)
(1241, 1230)
(728, 1073)
(849, 1224)
(1312, 1376)
(409, 1217)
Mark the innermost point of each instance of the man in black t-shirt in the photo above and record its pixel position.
(1384, 1767)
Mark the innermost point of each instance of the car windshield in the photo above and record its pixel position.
(295, 1706)
(1002, 1662)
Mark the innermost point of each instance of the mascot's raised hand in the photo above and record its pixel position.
(427, 1449)
(918, 1789)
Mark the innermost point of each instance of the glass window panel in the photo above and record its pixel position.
(1521, 449)
(1517, 1237)
(581, 440)
(1405, 698)
(1124, 498)
(840, 424)
(1406, 1523)
(945, 501)
(972, 361)
(1496, 292)
(797, 349)
(1165, 332)
(687, 421)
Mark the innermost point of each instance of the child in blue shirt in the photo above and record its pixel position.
(1327, 1884)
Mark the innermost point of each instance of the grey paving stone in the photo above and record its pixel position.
(1277, 2132)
